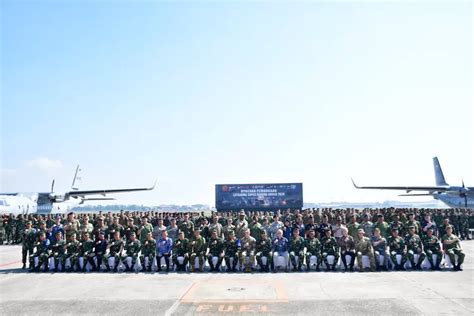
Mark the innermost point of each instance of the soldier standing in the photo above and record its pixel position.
(29, 240)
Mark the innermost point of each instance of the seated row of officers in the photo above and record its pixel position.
(297, 253)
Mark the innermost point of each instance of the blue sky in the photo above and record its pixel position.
(198, 93)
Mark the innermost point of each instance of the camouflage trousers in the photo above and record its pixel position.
(371, 256)
(243, 259)
(451, 253)
(259, 255)
(439, 256)
(411, 256)
(300, 256)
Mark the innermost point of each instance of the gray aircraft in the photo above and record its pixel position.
(56, 202)
(453, 196)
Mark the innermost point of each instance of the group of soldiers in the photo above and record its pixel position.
(298, 240)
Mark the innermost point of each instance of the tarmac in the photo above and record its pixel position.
(299, 293)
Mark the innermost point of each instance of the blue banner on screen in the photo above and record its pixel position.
(259, 196)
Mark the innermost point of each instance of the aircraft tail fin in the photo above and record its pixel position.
(439, 176)
(74, 185)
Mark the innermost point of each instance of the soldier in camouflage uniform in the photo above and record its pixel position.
(313, 248)
(187, 227)
(9, 229)
(19, 227)
(296, 249)
(329, 248)
(379, 243)
(115, 250)
(115, 227)
(396, 246)
(232, 249)
(144, 229)
(432, 247)
(263, 248)
(132, 247)
(72, 252)
(414, 246)
(87, 251)
(58, 251)
(100, 248)
(148, 251)
(180, 249)
(216, 249)
(72, 226)
(452, 247)
(363, 247)
(353, 227)
(2, 230)
(247, 251)
(197, 248)
(29, 240)
(42, 252)
(228, 228)
(383, 226)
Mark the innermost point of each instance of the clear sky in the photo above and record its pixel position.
(199, 93)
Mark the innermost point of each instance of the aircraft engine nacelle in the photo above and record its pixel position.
(457, 191)
(55, 197)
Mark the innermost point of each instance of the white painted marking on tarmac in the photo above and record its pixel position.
(170, 311)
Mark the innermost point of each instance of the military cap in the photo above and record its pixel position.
(360, 230)
(197, 229)
(28, 222)
(394, 229)
(430, 228)
(133, 234)
(242, 212)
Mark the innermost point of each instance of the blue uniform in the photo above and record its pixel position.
(280, 245)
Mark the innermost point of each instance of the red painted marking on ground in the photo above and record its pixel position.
(9, 263)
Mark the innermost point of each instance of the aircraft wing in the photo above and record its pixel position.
(406, 188)
(83, 193)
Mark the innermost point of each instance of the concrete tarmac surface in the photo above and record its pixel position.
(299, 293)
